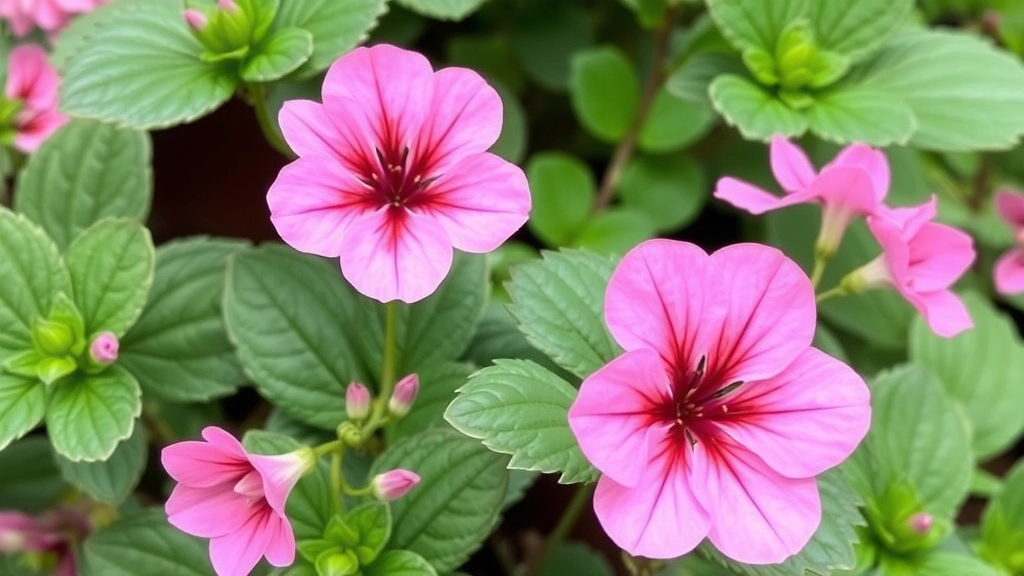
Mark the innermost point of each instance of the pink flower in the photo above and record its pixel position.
(394, 484)
(853, 184)
(1009, 270)
(234, 498)
(32, 83)
(921, 260)
(405, 393)
(393, 172)
(50, 535)
(719, 415)
(49, 15)
(104, 348)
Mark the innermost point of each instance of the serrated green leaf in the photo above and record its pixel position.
(85, 172)
(982, 370)
(442, 9)
(559, 302)
(961, 89)
(563, 190)
(615, 231)
(144, 544)
(288, 314)
(179, 348)
(673, 123)
(112, 479)
(22, 406)
(31, 482)
(604, 92)
(89, 414)
(755, 23)
(454, 507)
(858, 29)
(400, 563)
(1002, 525)
(755, 113)
(337, 26)
(438, 383)
(519, 408)
(670, 190)
(33, 274)
(858, 115)
(574, 558)
(111, 266)
(280, 53)
(546, 35)
(691, 80)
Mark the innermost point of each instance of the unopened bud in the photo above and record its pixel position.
(195, 19)
(357, 401)
(228, 5)
(394, 484)
(349, 433)
(52, 338)
(921, 522)
(404, 395)
(103, 349)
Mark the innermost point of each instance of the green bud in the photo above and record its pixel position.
(761, 65)
(52, 338)
(337, 563)
(349, 433)
(228, 30)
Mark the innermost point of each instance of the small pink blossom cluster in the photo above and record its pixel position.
(31, 89)
(51, 536)
(47, 15)
(920, 259)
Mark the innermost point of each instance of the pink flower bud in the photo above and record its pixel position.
(228, 5)
(103, 348)
(357, 401)
(921, 522)
(394, 484)
(403, 396)
(196, 20)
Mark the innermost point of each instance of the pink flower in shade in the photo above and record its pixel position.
(1009, 270)
(48, 15)
(51, 534)
(719, 415)
(33, 83)
(393, 172)
(234, 498)
(394, 484)
(921, 260)
(853, 184)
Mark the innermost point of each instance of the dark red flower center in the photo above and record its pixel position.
(394, 177)
(695, 401)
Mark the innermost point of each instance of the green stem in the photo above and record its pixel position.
(258, 99)
(387, 372)
(834, 292)
(564, 526)
(819, 271)
(337, 483)
(328, 448)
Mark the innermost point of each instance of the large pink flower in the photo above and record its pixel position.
(921, 260)
(234, 498)
(32, 82)
(719, 415)
(393, 172)
(1009, 270)
(49, 15)
(853, 184)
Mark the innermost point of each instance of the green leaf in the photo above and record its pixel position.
(755, 23)
(85, 172)
(962, 90)
(546, 35)
(519, 481)
(31, 482)
(1002, 525)
(22, 406)
(146, 545)
(400, 563)
(179, 348)
(455, 506)
(511, 144)
(563, 190)
(670, 190)
(571, 558)
(337, 26)
(33, 274)
(141, 68)
(442, 9)
(757, 114)
(280, 53)
(917, 436)
(438, 384)
(604, 92)
(981, 369)
(519, 408)
(858, 115)
(858, 29)
(491, 55)
(615, 231)
(558, 302)
(288, 314)
(690, 81)
(830, 550)
(372, 522)
(953, 564)
(111, 267)
(89, 414)
(498, 337)
(674, 123)
(112, 479)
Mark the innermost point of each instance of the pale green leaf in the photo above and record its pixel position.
(22, 406)
(1002, 525)
(856, 29)
(953, 564)
(89, 414)
(755, 23)
(755, 113)
(399, 563)
(144, 544)
(112, 479)
(604, 92)
(691, 80)
(337, 26)
(442, 9)
(615, 231)
(563, 190)
(670, 190)
(859, 115)
(674, 123)
(280, 53)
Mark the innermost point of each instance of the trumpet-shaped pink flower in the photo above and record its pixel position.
(1009, 269)
(393, 172)
(48, 15)
(32, 86)
(234, 498)
(921, 260)
(719, 415)
(853, 184)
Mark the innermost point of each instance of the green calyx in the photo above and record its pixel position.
(337, 563)
(9, 110)
(233, 27)
(796, 66)
(900, 525)
(58, 344)
(350, 543)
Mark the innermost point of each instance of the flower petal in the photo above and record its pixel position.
(206, 512)
(1010, 205)
(480, 201)
(659, 517)
(203, 464)
(895, 250)
(237, 553)
(280, 550)
(872, 161)
(767, 316)
(34, 130)
(1009, 272)
(313, 129)
(30, 78)
(747, 196)
(611, 417)
(939, 255)
(465, 118)
(790, 165)
(395, 254)
(943, 310)
(802, 422)
(760, 517)
(847, 189)
(279, 474)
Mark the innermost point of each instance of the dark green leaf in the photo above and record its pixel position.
(146, 545)
(88, 415)
(604, 90)
(22, 406)
(563, 190)
(110, 480)
(31, 481)
(670, 190)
